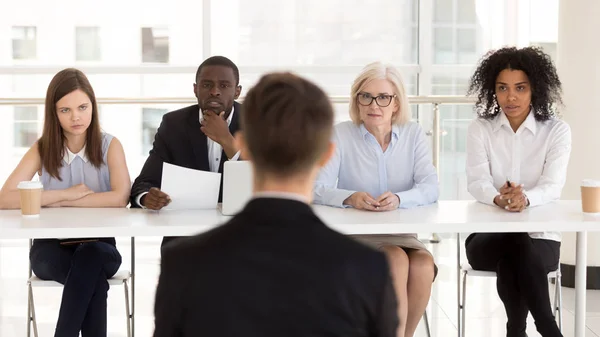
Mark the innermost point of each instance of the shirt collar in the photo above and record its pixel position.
(201, 117)
(529, 122)
(395, 131)
(69, 156)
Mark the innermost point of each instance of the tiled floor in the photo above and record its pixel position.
(485, 314)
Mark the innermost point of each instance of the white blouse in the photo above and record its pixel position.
(537, 156)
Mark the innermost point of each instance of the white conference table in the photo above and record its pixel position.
(444, 217)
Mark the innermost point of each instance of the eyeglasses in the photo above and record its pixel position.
(366, 99)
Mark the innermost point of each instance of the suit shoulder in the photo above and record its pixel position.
(181, 114)
(197, 245)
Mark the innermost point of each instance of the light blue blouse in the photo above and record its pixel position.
(76, 169)
(360, 165)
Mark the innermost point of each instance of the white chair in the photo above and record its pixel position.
(122, 277)
(467, 270)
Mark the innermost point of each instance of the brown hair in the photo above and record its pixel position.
(52, 143)
(287, 122)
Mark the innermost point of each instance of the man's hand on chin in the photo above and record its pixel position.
(215, 127)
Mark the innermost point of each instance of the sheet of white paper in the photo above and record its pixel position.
(190, 189)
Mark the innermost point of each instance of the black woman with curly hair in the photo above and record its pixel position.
(517, 155)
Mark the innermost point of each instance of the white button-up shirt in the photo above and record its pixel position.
(537, 156)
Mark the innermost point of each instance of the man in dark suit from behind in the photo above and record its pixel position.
(275, 269)
(199, 137)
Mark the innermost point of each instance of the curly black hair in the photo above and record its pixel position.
(546, 88)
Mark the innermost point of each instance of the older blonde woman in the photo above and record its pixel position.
(382, 162)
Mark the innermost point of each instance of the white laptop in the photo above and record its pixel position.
(237, 186)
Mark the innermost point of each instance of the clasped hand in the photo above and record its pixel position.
(362, 200)
(512, 197)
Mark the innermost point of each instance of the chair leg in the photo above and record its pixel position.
(127, 311)
(464, 305)
(560, 302)
(426, 324)
(32, 304)
(29, 295)
(555, 301)
(458, 274)
(28, 310)
(132, 278)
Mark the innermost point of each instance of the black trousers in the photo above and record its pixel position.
(84, 270)
(522, 265)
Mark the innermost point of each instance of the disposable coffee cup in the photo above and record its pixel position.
(590, 196)
(31, 198)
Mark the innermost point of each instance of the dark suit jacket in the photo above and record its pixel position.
(274, 270)
(179, 141)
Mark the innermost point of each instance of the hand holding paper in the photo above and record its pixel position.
(190, 189)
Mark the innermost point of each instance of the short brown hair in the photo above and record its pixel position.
(52, 143)
(287, 123)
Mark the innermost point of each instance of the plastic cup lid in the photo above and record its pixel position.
(590, 183)
(30, 185)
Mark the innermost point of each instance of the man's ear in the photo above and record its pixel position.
(238, 91)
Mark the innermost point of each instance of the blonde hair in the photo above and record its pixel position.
(378, 70)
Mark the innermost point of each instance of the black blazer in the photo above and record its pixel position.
(179, 141)
(276, 270)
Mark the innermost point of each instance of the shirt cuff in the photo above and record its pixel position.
(339, 197)
(138, 200)
(487, 196)
(236, 156)
(535, 197)
(409, 198)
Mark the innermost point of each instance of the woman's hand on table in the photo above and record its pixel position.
(388, 201)
(512, 198)
(364, 201)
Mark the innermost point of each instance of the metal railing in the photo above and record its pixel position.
(436, 101)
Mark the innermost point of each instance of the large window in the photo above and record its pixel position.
(26, 125)
(155, 45)
(87, 44)
(322, 33)
(455, 37)
(24, 43)
(154, 55)
(151, 118)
